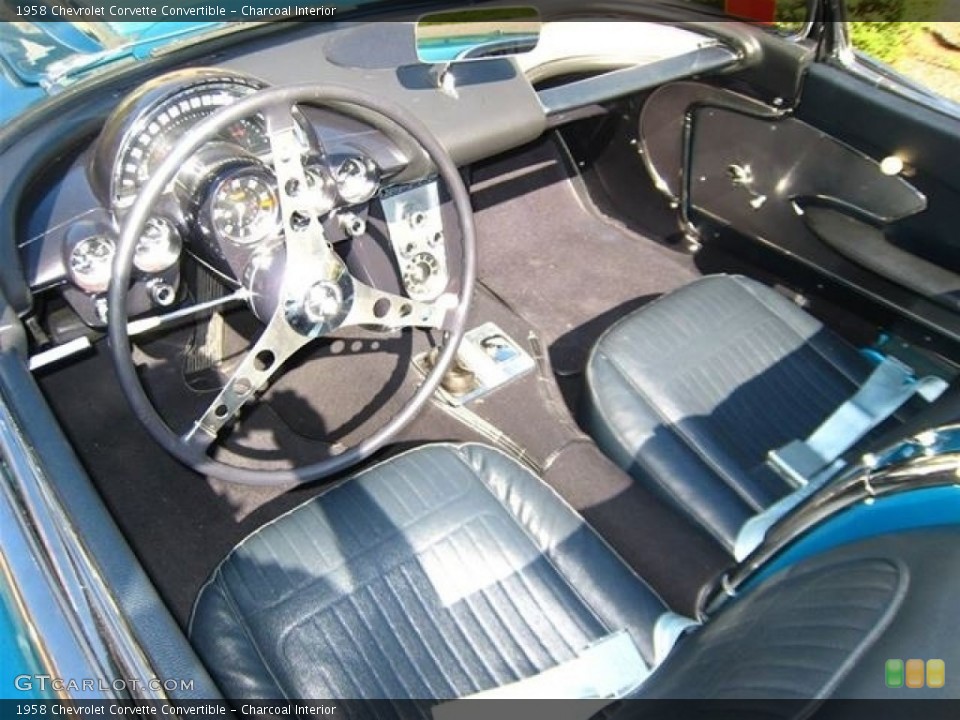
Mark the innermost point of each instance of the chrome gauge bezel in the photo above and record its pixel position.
(323, 186)
(95, 278)
(159, 247)
(246, 176)
(357, 179)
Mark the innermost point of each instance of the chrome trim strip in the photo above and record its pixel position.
(60, 352)
(611, 85)
(74, 613)
(52, 629)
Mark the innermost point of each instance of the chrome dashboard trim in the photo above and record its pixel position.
(618, 83)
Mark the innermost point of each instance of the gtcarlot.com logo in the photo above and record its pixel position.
(43, 683)
(915, 673)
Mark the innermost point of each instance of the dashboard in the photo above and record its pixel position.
(222, 211)
(223, 207)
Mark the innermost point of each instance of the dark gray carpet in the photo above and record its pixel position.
(567, 270)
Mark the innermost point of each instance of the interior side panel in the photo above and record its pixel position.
(881, 123)
(752, 173)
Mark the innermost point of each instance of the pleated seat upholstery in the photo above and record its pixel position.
(452, 569)
(690, 393)
(440, 573)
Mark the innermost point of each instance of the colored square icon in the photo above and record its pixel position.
(893, 672)
(936, 673)
(914, 674)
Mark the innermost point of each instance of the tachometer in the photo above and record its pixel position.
(147, 149)
(244, 207)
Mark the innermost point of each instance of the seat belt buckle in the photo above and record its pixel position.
(796, 462)
(931, 387)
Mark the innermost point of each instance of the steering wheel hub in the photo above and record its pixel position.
(323, 302)
(315, 307)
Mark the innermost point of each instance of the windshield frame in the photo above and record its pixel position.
(131, 69)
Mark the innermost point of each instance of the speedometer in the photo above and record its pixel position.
(145, 127)
(149, 147)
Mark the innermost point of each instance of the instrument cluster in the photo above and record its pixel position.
(223, 205)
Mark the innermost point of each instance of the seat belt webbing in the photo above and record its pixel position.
(809, 464)
(667, 631)
(608, 669)
(887, 388)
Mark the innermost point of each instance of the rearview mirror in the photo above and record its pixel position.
(473, 34)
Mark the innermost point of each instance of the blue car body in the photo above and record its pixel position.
(26, 51)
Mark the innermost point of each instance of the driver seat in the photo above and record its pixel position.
(451, 569)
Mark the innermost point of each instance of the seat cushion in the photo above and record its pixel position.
(442, 572)
(691, 392)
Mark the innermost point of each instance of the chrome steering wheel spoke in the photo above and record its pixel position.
(303, 233)
(372, 306)
(276, 344)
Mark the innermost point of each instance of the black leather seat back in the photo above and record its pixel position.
(826, 627)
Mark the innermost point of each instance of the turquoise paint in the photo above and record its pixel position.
(18, 655)
(913, 509)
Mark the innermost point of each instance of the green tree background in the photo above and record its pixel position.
(885, 28)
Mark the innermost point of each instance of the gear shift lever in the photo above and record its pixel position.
(459, 379)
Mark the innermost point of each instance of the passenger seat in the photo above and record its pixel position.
(691, 393)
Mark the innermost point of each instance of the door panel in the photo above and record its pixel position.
(664, 121)
(869, 247)
(881, 123)
(891, 240)
(757, 172)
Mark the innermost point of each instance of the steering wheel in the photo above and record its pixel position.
(317, 294)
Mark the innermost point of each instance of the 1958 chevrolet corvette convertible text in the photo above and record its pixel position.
(592, 351)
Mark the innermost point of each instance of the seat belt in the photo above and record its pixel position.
(754, 530)
(667, 630)
(602, 673)
(809, 464)
(887, 388)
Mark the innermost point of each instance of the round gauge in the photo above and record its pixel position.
(90, 263)
(250, 134)
(244, 207)
(147, 124)
(421, 275)
(158, 247)
(358, 180)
